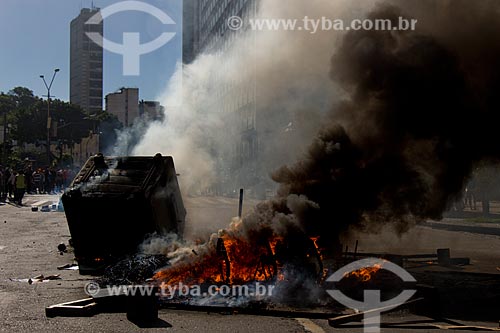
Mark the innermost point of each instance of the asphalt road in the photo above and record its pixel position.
(28, 247)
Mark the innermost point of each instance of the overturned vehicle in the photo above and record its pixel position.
(114, 203)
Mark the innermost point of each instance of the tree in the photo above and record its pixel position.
(6, 104)
(108, 126)
(26, 115)
(72, 123)
(28, 118)
(23, 97)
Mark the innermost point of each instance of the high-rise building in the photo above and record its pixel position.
(189, 30)
(205, 29)
(86, 63)
(124, 104)
(205, 26)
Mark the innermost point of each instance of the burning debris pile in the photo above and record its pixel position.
(420, 112)
(241, 255)
(133, 269)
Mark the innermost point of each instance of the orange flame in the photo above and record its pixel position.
(315, 241)
(365, 274)
(247, 263)
(248, 260)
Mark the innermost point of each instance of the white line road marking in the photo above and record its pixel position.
(309, 325)
(40, 203)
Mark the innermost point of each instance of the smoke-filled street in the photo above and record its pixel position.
(250, 165)
(29, 248)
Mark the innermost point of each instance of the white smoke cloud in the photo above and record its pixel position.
(183, 132)
(288, 71)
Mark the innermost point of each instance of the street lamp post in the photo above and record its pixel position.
(4, 145)
(48, 86)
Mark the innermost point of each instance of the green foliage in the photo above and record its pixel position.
(108, 126)
(22, 97)
(65, 160)
(14, 160)
(72, 122)
(27, 117)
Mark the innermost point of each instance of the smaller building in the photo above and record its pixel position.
(124, 104)
(151, 110)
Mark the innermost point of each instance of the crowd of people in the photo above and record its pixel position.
(15, 183)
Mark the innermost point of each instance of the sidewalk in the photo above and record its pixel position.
(464, 225)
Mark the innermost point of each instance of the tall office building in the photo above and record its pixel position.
(189, 30)
(86, 63)
(205, 30)
(205, 24)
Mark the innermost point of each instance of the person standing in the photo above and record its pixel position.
(28, 173)
(6, 177)
(20, 184)
(59, 181)
(37, 182)
(46, 178)
(52, 180)
(42, 181)
(11, 183)
(2, 184)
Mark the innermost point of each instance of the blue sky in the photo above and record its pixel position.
(34, 39)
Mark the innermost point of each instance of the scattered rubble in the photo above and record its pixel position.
(38, 279)
(68, 267)
(62, 247)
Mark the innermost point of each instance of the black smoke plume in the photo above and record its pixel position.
(421, 111)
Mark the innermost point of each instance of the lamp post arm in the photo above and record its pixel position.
(52, 81)
(45, 82)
